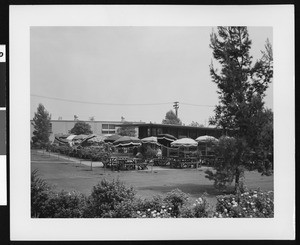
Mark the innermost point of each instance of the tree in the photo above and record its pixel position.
(196, 124)
(127, 130)
(171, 118)
(42, 127)
(81, 128)
(241, 89)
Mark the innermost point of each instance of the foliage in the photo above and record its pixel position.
(40, 194)
(81, 128)
(176, 199)
(200, 209)
(114, 200)
(45, 203)
(229, 165)
(150, 152)
(161, 212)
(250, 204)
(241, 89)
(171, 118)
(42, 127)
(93, 153)
(65, 205)
(196, 124)
(105, 197)
(127, 130)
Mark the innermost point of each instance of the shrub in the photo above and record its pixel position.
(40, 194)
(105, 197)
(176, 199)
(251, 204)
(65, 205)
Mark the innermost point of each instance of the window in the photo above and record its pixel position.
(108, 131)
(111, 126)
(105, 126)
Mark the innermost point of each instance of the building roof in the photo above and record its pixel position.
(164, 125)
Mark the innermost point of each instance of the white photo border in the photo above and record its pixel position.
(280, 17)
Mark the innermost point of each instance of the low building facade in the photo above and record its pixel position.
(60, 127)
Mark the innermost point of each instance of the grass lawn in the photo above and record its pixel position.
(66, 175)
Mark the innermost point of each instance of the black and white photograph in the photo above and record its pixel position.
(150, 124)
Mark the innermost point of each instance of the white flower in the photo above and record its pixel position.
(255, 195)
(162, 206)
(148, 210)
(144, 216)
(225, 210)
(254, 210)
(138, 212)
(244, 208)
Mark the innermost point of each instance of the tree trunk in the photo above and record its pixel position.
(237, 180)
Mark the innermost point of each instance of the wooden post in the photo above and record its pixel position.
(91, 165)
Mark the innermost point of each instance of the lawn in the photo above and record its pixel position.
(67, 175)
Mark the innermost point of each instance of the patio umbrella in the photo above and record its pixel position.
(71, 137)
(112, 138)
(206, 139)
(97, 138)
(60, 140)
(80, 137)
(88, 137)
(151, 140)
(126, 141)
(186, 142)
(165, 139)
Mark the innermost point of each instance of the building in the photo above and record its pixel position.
(98, 127)
(179, 131)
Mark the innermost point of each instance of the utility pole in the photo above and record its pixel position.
(176, 106)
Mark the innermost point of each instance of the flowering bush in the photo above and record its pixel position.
(251, 204)
(115, 200)
(162, 212)
(106, 196)
(176, 199)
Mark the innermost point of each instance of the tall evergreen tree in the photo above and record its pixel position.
(42, 127)
(241, 89)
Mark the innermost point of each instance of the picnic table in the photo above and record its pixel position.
(207, 159)
(124, 163)
(191, 162)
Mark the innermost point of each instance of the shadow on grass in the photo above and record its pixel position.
(192, 189)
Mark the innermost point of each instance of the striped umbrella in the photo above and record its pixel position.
(206, 139)
(127, 141)
(186, 142)
(112, 138)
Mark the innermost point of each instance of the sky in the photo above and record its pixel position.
(131, 72)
